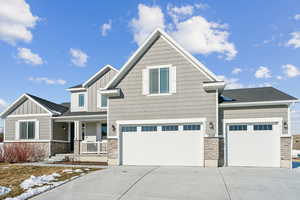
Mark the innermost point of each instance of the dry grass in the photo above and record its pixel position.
(12, 176)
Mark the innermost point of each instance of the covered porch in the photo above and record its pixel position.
(87, 135)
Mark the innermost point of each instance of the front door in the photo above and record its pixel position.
(72, 134)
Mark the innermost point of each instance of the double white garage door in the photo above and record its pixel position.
(246, 144)
(176, 144)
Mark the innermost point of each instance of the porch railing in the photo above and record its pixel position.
(94, 147)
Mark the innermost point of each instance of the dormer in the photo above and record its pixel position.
(86, 97)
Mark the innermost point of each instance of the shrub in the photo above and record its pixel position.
(1, 137)
(21, 152)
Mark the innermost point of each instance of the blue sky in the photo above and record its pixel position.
(48, 46)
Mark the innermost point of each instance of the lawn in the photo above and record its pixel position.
(14, 176)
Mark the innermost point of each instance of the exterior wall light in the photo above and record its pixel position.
(113, 127)
(211, 125)
(285, 125)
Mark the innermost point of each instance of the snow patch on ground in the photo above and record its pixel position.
(4, 190)
(38, 180)
(38, 184)
(69, 171)
(35, 191)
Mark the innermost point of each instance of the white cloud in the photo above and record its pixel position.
(297, 17)
(105, 28)
(231, 83)
(201, 6)
(279, 77)
(3, 103)
(148, 19)
(195, 33)
(79, 58)
(183, 10)
(290, 70)
(28, 57)
(295, 40)
(263, 72)
(236, 70)
(47, 80)
(16, 21)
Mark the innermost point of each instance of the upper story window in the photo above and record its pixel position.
(103, 102)
(159, 80)
(81, 100)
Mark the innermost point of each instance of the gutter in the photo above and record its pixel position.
(262, 103)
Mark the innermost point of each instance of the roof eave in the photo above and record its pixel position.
(258, 103)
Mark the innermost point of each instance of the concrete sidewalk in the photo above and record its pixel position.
(158, 183)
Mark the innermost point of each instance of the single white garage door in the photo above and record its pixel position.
(177, 145)
(254, 144)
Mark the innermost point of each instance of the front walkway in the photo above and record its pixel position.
(166, 183)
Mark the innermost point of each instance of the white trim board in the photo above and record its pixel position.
(259, 103)
(139, 52)
(162, 121)
(29, 115)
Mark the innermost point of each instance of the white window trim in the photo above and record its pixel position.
(75, 105)
(99, 100)
(78, 96)
(37, 129)
(170, 80)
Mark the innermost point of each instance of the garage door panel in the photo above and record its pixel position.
(163, 148)
(254, 148)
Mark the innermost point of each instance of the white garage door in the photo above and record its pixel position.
(255, 144)
(176, 144)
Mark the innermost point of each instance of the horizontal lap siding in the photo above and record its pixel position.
(44, 130)
(256, 112)
(28, 107)
(189, 101)
(92, 90)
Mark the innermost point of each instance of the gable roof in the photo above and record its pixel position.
(144, 47)
(249, 95)
(50, 107)
(100, 73)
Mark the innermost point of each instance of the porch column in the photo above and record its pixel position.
(77, 137)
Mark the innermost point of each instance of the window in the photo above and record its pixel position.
(191, 127)
(238, 127)
(159, 80)
(81, 100)
(103, 101)
(170, 128)
(104, 131)
(129, 129)
(263, 127)
(27, 130)
(149, 128)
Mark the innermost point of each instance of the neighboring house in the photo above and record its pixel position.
(162, 108)
(296, 142)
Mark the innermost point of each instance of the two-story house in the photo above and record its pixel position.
(163, 107)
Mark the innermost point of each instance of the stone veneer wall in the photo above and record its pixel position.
(213, 151)
(285, 152)
(59, 147)
(112, 151)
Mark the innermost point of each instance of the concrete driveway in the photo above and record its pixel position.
(181, 183)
